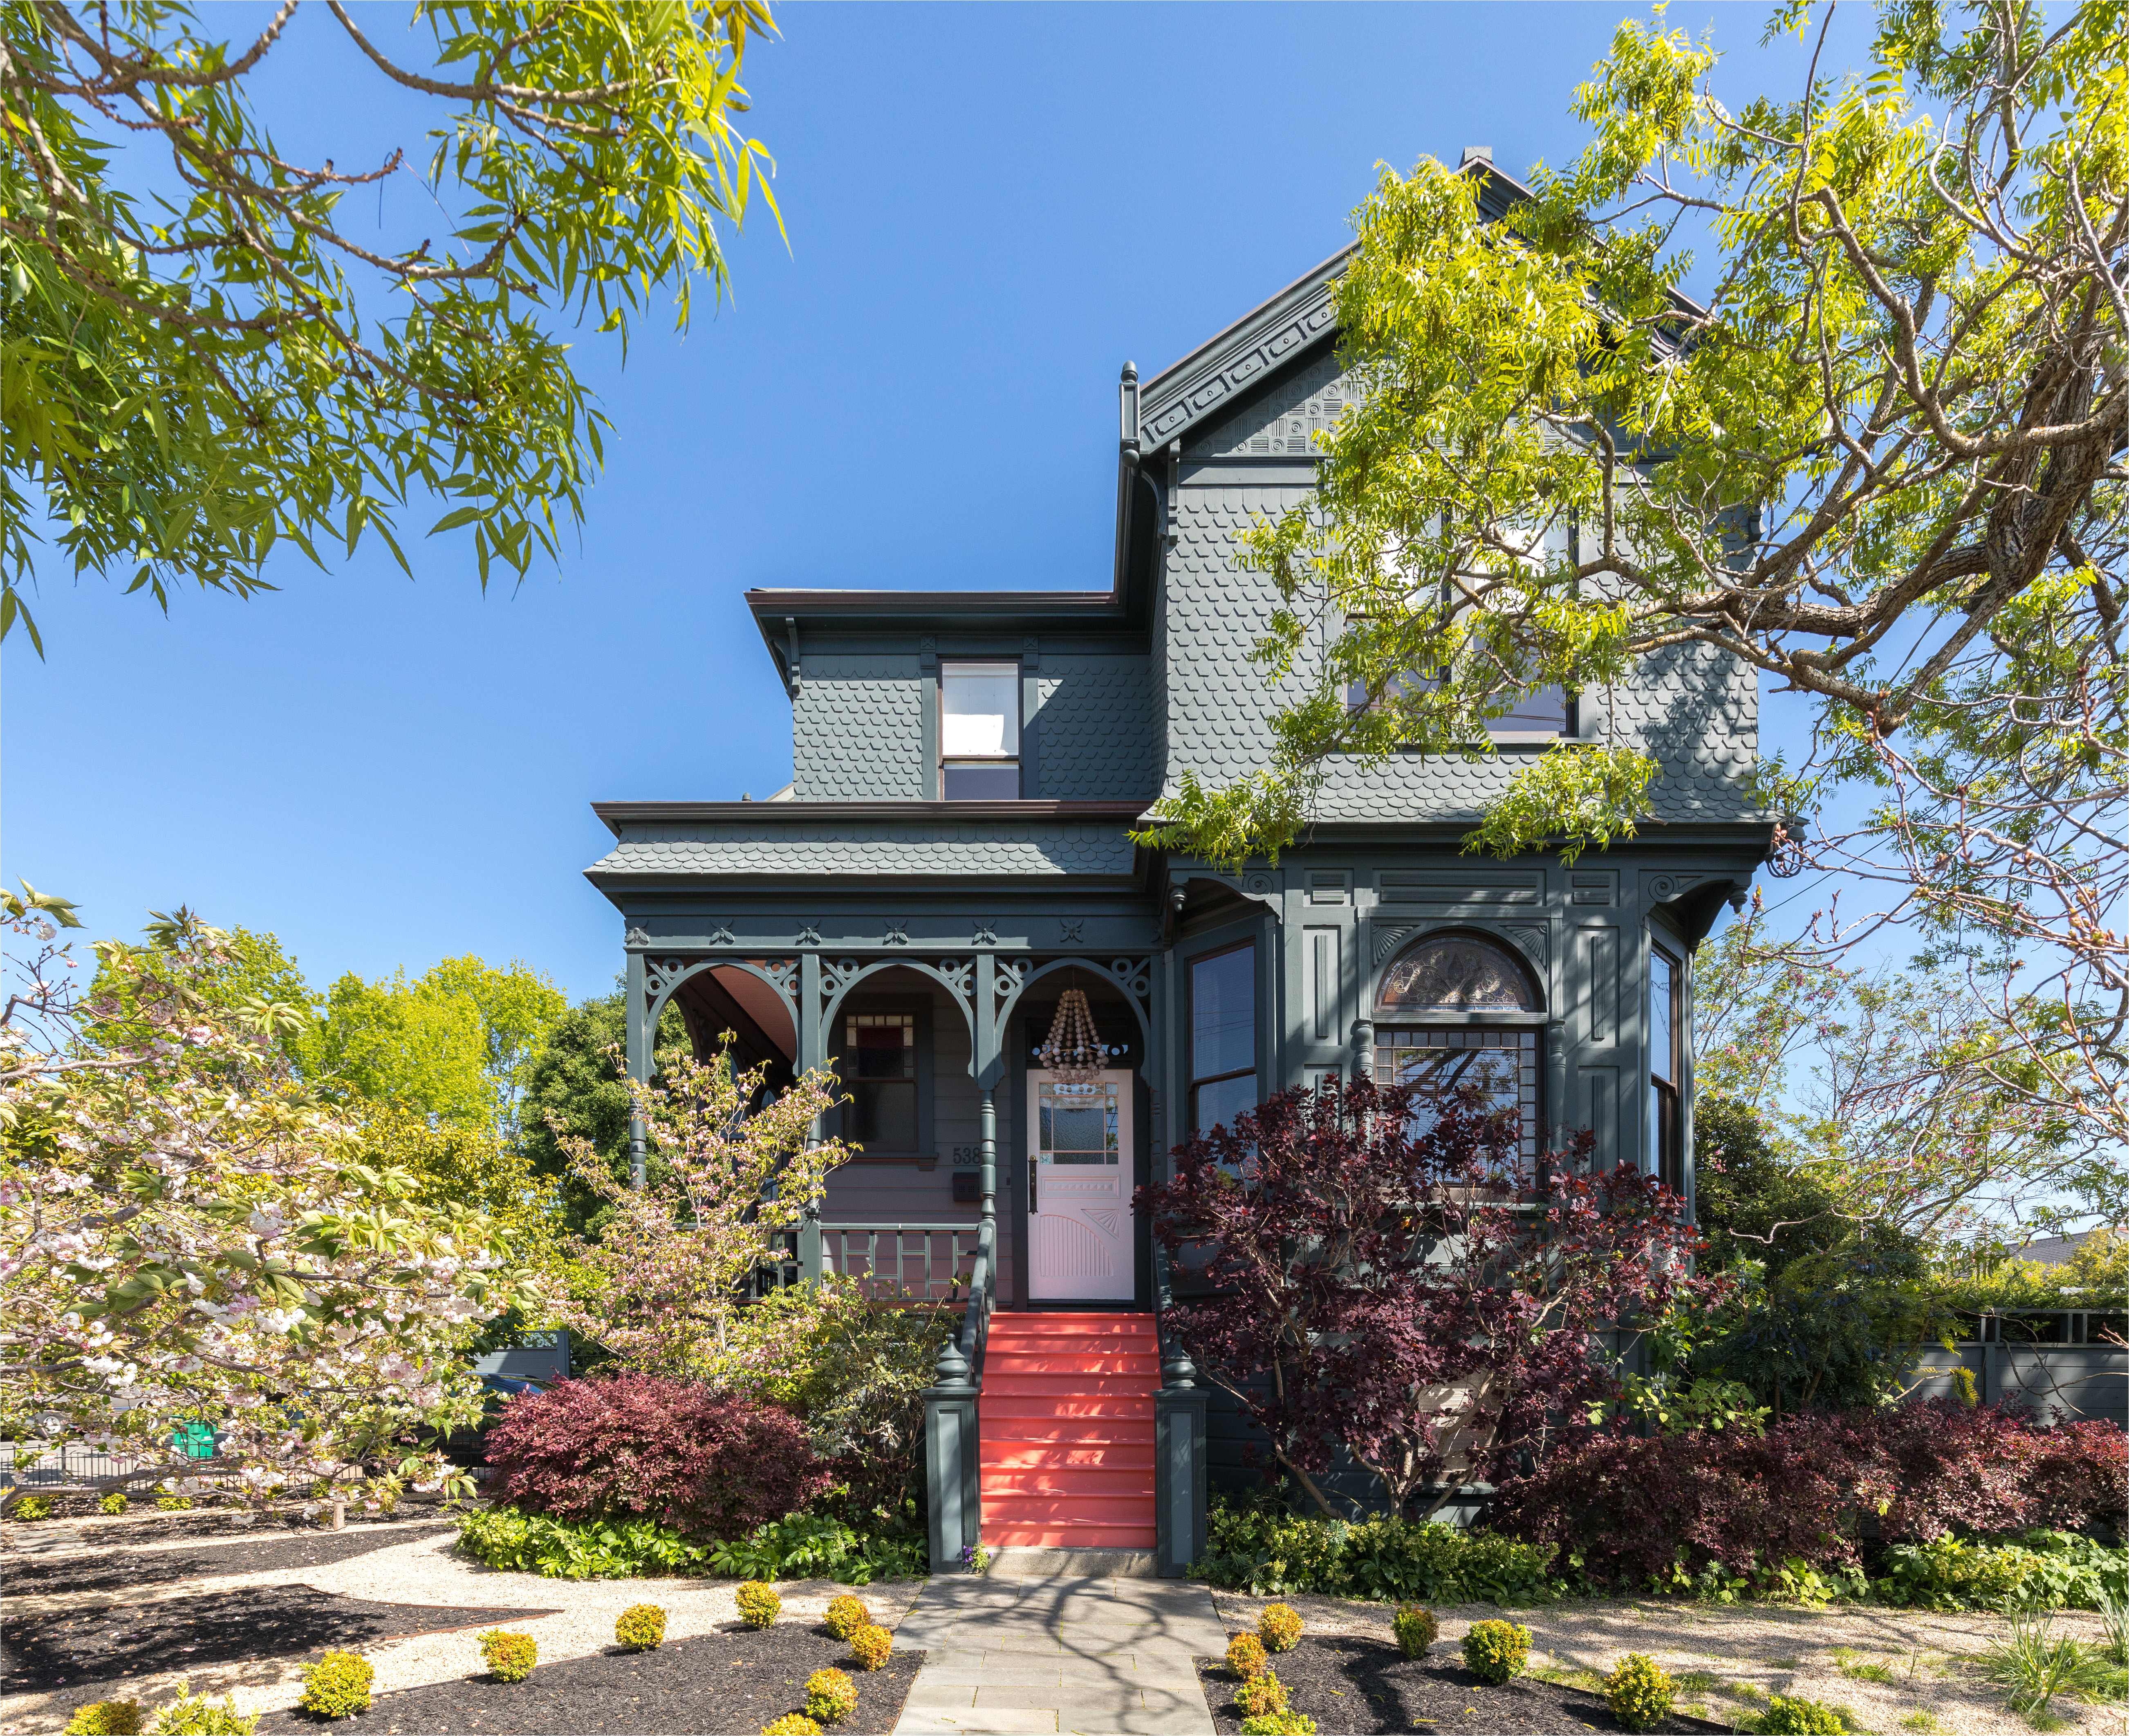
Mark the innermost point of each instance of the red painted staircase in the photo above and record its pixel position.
(1067, 1431)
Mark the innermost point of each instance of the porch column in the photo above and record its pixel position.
(639, 1064)
(987, 1233)
(810, 1054)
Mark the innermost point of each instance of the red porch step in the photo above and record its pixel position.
(1066, 1436)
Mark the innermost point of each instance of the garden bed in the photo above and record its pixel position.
(730, 1682)
(102, 1564)
(1350, 1683)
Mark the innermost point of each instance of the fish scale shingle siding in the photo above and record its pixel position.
(1094, 728)
(857, 730)
(1692, 708)
(1283, 422)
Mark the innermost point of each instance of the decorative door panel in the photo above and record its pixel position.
(1079, 1167)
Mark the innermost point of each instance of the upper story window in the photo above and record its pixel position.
(980, 732)
(1666, 1121)
(1540, 715)
(1223, 1037)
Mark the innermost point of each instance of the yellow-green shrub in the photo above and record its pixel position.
(113, 1502)
(758, 1605)
(847, 1614)
(1496, 1651)
(871, 1646)
(337, 1686)
(1640, 1692)
(792, 1723)
(640, 1627)
(174, 1504)
(1279, 1723)
(1246, 1656)
(186, 1716)
(106, 1717)
(1279, 1627)
(31, 1507)
(1787, 1717)
(1262, 1693)
(1416, 1629)
(830, 1696)
(509, 1656)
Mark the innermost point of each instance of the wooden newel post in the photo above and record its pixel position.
(1178, 1462)
(950, 1461)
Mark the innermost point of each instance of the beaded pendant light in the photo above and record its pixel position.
(1072, 1052)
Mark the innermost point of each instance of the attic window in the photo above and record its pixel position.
(980, 732)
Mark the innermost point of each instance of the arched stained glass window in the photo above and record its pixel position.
(1457, 975)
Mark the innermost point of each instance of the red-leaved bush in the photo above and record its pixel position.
(1633, 1507)
(709, 1464)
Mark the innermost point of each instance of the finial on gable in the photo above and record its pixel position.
(1127, 406)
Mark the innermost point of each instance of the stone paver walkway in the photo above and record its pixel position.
(1086, 1657)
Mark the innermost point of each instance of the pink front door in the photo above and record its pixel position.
(1079, 1165)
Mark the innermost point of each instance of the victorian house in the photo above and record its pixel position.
(952, 859)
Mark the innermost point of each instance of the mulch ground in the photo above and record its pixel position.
(1352, 1686)
(48, 1651)
(728, 1683)
(98, 1568)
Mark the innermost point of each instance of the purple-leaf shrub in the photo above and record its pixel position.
(708, 1463)
(1384, 1277)
(1632, 1507)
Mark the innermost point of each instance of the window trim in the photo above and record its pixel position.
(926, 1148)
(1194, 1080)
(1016, 759)
(1665, 1147)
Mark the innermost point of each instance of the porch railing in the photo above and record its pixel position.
(896, 1262)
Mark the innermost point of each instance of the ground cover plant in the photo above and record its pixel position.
(1357, 1255)
(1265, 1550)
(803, 1546)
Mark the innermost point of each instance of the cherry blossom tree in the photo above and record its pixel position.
(188, 1234)
(731, 1170)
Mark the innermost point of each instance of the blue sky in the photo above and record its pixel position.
(989, 209)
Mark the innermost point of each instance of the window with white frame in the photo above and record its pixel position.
(980, 732)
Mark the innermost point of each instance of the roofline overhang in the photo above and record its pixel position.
(618, 815)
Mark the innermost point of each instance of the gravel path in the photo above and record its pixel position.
(1836, 1656)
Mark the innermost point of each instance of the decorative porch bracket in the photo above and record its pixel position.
(1179, 1445)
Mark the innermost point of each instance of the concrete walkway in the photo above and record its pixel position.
(1093, 1656)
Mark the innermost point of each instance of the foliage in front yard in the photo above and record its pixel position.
(801, 1546)
(509, 1656)
(872, 1647)
(641, 1627)
(1272, 1554)
(711, 1465)
(1640, 1692)
(1372, 1270)
(191, 1715)
(1496, 1651)
(106, 1717)
(1670, 1510)
(337, 1686)
(2061, 1570)
(758, 1605)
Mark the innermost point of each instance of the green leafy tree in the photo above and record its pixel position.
(576, 1089)
(199, 360)
(456, 1043)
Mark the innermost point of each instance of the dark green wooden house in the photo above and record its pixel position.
(951, 857)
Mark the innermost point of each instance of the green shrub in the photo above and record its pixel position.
(2061, 1569)
(803, 1546)
(1416, 1629)
(337, 1686)
(1279, 1627)
(113, 1502)
(31, 1507)
(1640, 1692)
(1262, 1694)
(1787, 1717)
(174, 1504)
(1246, 1656)
(188, 1716)
(106, 1717)
(1391, 1561)
(1496, 1651)
(792, 1723)
(509, 1656)
(847, 1614)
(1279, 1723)
(830, 1696)
(758, 1605)
(641, 1628)
(872, 1647)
